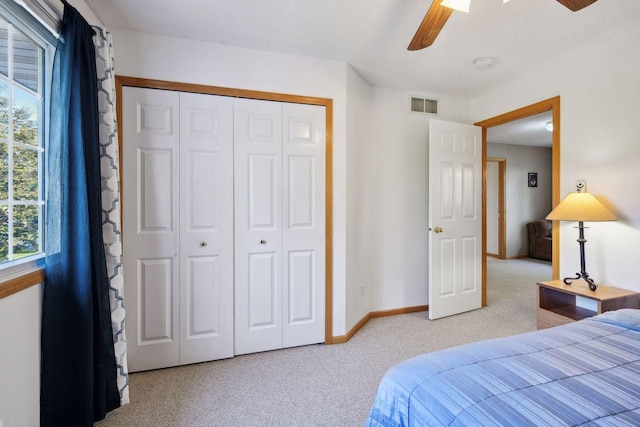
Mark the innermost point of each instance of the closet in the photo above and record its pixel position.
(224, 226)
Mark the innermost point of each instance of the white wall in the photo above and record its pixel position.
(20, 315)
(600, 100)
(359, 130)
(523, 204)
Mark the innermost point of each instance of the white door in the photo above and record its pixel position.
(150, 159)
(279, 225)
(258, 225)
(303, 224)
(178, 227)
(206, 227)
(455, 218)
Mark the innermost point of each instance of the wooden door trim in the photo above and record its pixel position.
(122, 81)
(502, 223)
(553, 105)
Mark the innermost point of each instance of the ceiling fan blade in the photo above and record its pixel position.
(576, 5)
(431, 25)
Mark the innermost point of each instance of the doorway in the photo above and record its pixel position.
(553, 105)
(496, 219)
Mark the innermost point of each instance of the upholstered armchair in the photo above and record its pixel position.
(540, 239)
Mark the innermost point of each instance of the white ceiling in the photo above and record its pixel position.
(531, 131)
(373, 35)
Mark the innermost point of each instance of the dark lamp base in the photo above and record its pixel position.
(584, 276)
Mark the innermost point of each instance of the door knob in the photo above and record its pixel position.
(437, 230)
(263, 242)
(203, 244)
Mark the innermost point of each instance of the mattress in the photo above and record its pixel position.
(582, 373)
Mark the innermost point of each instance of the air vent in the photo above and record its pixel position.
(424, 105)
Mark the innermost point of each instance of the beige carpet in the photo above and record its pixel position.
(325, 385)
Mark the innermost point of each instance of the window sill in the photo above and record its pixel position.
(22, 282)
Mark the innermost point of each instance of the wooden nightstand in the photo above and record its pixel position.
(557, 301)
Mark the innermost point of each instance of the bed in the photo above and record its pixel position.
(582, 373)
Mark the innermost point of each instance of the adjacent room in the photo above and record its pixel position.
(285, 213)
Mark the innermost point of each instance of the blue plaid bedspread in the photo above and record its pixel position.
(584, 373)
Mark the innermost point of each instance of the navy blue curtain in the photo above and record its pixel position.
(78, 379)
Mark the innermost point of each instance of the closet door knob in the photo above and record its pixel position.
(263, 242)
(203, 244)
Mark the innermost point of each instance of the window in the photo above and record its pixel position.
(24, 69)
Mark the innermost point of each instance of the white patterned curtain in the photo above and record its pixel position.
(111, 226)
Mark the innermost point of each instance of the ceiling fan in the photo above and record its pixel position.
(438, 14)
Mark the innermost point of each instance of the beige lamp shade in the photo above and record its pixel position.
(581, 207)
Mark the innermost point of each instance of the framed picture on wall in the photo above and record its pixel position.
(533, 179)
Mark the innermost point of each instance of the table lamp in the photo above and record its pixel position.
(581, 206)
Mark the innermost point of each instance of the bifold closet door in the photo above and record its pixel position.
(303, 244)
(258, 225)
(150, 156)
(206, 227)
(279, 225)
(178, 222)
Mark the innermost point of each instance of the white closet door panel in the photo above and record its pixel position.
(263, 291)
(150, 225)
(301, 192)
(206, 230)
(304, 161)
(203, 292)
(258, 225)
(157, 300)
(301, 286)
(203, 182)
(156, 213)
(263, 191)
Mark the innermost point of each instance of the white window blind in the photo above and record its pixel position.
(45, 12)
